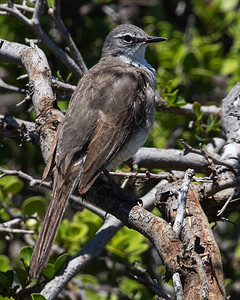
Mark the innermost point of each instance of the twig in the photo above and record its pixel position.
(177, 284)
(10, 87)
(20, 174)
(221, 211)
(63, 85)
(8, 210)
(202, 152)
(182, 198)
(14, 230)
(187, 110)
(24, 76)
(48, 184)
(146, 280)
(67, 37)
(12, 127)
(146, 175)
(37, 11)
(18, 219)
(25, 100)
(35, 26)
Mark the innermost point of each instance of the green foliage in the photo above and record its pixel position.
(25, 255)
(202, 130)
(9, 186)
(127, 244)
(4, 263)
(60, 261)
(34, 204)
(6, 283)
(134, 291)
(72, 235)
(52, 269)
(36, 296)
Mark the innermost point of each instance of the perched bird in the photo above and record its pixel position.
(109, 118)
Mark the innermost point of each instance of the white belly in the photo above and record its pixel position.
(136, 141)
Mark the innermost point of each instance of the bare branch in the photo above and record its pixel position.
(37, 11)
(35, 26)
(67, 37)
(178, 286)
(235, 192)
(142, 276)
(14, 230)
(13, 11)
(22, 175)
(208, 155)
(76, 201)
(11, 127)
(65, 86)
(147, 175)
(10, 87)
(168, 159)
(182, 198)
(90, 251)
(187, 110)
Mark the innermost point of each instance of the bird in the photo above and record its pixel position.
(108, 119)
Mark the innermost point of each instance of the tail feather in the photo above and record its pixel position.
(61, 192)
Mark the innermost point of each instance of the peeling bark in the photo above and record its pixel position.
(201, 261)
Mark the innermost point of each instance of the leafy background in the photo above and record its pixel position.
(198, 64)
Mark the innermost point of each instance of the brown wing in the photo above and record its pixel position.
(99, 118)
(116, 120)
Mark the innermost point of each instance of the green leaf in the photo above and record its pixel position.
(26, 254)
(127, 244)
(171, 98)
(60, 262)
(210, 123)
(60, 76)
(228, 5)
(6, 298)
(34, 204)
(11, 184)
(69, 76)
(62, 105)
(180, 101)
(197, 110)
(48, 271)
(230, 65)
(4, 263)
(5, 281)
(22, 276)
(36, 296)
(51, 3)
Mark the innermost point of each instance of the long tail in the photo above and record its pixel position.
(61, 192)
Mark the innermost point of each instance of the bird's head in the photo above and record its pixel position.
(128, 41)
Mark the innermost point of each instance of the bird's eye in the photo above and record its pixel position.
(127, 38)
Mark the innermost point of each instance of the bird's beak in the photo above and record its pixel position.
(155, 39)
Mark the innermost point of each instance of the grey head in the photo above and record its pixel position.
(128, 42)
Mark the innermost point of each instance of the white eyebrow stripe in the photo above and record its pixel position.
(121, 35)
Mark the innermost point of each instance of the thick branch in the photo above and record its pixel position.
(200, 245)
(168, 159)
(114, 201)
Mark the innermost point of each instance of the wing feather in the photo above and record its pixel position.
(100, 117)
